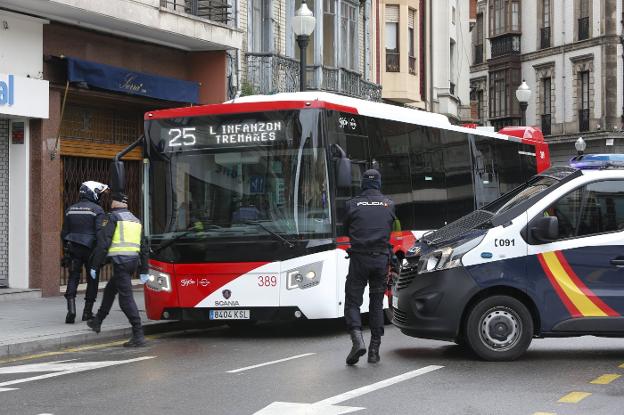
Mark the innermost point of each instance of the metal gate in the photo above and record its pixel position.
(4, 203)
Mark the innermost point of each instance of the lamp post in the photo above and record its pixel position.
(303, 26)
(580, 146)
(523, 94)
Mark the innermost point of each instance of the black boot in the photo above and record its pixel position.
(137, 339)
(87, 313)
(95, 324)
(71, 311)
(359, 347)
(373, 349)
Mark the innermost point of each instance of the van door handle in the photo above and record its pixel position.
(618, 262)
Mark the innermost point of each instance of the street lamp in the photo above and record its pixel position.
(523, 94)
(580, 145)
(303, 26)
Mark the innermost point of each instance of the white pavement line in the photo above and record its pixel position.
(242, 369)
(59, 369)
(376, 386)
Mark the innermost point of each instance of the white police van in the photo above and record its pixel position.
(544, 260)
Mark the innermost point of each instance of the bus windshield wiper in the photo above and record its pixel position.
(275, 235)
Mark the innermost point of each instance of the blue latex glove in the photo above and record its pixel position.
(92, 273)
(144, 278)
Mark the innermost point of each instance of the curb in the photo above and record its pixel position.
(57, 343)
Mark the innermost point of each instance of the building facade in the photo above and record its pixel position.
(153, 54)
(570, 54)
(339, 54)
(450, 51)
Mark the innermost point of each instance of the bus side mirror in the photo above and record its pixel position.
(117, 177)
(544, 229)
(343, 172)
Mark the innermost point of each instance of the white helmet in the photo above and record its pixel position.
(92, 190)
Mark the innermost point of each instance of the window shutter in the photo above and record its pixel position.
(411, 19)
(392, 14)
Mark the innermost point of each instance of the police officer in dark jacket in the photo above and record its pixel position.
(82, 221)
(121, 240)
(369, 219)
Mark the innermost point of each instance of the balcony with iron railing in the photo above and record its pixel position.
(583, 28)
(478, 54)
(545, 37)
(215, 10)
(583, 119)
(505, 46)
(269, 73)
(546, 124)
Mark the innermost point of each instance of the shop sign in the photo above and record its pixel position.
(24, 97)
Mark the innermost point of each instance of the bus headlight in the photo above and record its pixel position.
(158, 281)
(304, 277)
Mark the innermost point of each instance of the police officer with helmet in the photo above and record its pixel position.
(369, 219)
(121, 241)
(80, 226)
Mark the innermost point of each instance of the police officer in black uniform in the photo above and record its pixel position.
(82, 221)
(369, 219)
(121, 240)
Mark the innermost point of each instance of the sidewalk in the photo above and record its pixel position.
(36, 324)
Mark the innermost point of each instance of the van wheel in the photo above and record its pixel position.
(499, 328)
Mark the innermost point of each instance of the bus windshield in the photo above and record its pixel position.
(242, 176)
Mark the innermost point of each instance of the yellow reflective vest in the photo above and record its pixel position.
(127, 237)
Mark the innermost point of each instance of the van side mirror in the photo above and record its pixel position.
(544, 229)
(117, 177)
(343, 167)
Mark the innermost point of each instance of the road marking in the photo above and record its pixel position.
(574, 397)
(544, 413)
(605, 379)
(60, 368)
(329, 406)
(242, 369)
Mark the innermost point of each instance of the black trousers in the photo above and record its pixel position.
(79, 255)
(121, 284)
(372, 270)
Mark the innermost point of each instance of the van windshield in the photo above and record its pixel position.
(520, 194)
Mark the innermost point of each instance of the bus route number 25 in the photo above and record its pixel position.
(504, 242)
(267, 281)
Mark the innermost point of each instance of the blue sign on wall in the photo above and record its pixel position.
(117, 79)
(7, 91)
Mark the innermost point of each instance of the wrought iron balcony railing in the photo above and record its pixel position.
(412, 65)
(546, 127)
(507, 45)
(393, 61)
(270, 74)
(583, 118)
(583, 28)
(545, 37)
(216, 10)
(478, 54)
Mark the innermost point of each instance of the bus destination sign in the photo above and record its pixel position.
(224, 135)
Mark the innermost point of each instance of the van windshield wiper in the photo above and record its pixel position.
(275, 235)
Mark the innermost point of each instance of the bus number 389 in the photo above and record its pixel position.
(267, 281)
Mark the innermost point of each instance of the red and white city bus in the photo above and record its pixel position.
(244, 200)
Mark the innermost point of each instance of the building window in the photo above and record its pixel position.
(478, 40)
(498, 93)
(453, 14)
(545, 30)
(412, 40)
(504, 17)
(259, 26)
(349, 36)
(584, 101)
(392, 39)
(547, 106)
(452, 66)
(503, 103)
(583, 20)
(480, 106)
(329, 33)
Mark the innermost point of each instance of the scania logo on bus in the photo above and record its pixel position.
(226, 294)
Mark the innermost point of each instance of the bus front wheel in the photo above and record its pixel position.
(499, 328)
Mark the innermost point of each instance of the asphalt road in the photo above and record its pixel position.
(222, 371)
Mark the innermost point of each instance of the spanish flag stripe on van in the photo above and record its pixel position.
(576, 296)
